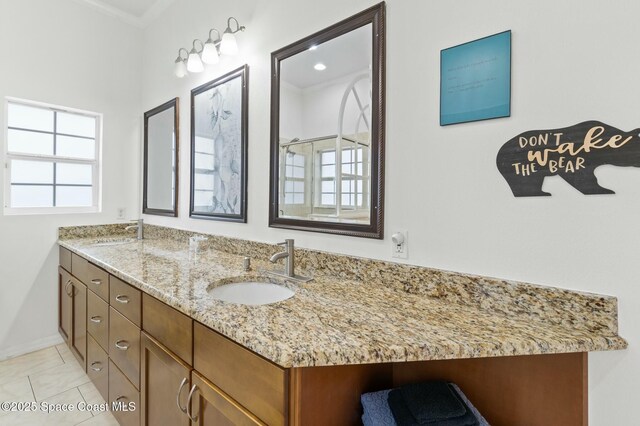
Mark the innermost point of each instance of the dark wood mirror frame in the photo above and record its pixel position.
(375, 16)
(173, 103)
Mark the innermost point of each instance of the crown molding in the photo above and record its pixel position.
(140, 22)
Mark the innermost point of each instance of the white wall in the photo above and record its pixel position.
(572, 60)
(65, 53)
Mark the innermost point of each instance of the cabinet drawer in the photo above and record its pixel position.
(79, 267)
(98, 281)
(98, 320)
(168, 326)
(125, 299)
(65, 259)
(124, 398)
(124, 346)
(98, 367)
(254, 382)
(213, 407)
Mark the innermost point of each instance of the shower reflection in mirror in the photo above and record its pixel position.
(325, 149)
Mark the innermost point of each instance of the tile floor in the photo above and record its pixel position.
(54, 376)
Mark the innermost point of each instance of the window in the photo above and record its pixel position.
(352, 178)
(52, 159)
(294, 178)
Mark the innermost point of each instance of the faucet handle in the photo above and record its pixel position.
(284, 243)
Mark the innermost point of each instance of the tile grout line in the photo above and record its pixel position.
(85, 401)
(59, 354)
(32, 391)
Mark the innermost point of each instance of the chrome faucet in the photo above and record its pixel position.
(139, 226)
(288, 256)
(289, 261)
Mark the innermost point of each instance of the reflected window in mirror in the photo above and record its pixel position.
(327, 142)
(160, 187)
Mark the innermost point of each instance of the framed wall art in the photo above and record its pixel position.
(475, 80)
(219, 119)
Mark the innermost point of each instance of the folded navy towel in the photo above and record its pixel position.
(376, 411)
(432, 401)
(431, 404)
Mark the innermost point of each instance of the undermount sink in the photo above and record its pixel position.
(113, 241)
(251, 293)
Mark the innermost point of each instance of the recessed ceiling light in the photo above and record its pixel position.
(314, 47)
(320, 66)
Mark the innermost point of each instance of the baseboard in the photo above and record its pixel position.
(18, 350)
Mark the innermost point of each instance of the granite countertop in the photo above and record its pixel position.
(342, 317)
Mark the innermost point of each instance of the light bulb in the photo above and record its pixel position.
(228, 46)
(210, 53)
(180, 68)
(194, 64)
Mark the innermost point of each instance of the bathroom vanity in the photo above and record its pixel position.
(140, 318)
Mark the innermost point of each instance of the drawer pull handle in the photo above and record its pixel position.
(96, 319)
(66, 288)
(122, 298)
(184, 382)
(96, 282)
(122, 345)
(96, 368)
(121, 398)
(191, 416)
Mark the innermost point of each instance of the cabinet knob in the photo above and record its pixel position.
(94, 368)
(184, 382)
(123, 345)
(191, 416)
(96, 319)
(122, 298)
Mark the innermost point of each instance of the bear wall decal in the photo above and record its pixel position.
(573, 153)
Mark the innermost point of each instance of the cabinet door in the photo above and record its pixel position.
(124, 398)
(64, 303)
(164, 385)
(212, 407)
(78, 341)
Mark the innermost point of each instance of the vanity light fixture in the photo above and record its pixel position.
(229, 45)
(209, 52)
(194, 63)
(319, 66)
(180, 68)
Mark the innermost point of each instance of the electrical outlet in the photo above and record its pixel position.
(400, 244)
(122, 213)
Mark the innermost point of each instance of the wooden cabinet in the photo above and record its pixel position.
(168, 326)
(98, 367)
(78, 341)
(97, 281)
(124, 398)
(255, 383)
(65, 306)
(164, 385)
(179, 372)
(212, 407)
(124, 346)
(98, 319)
(125, 299)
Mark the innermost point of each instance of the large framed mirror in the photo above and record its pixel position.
(327, 129)
(160, 186)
